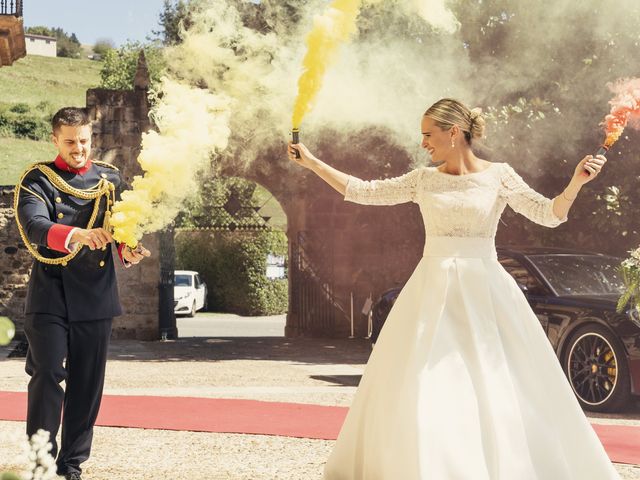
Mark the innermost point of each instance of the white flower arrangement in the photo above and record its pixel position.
(36, 456)
(630, 269)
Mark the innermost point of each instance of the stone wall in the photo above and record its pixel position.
(119, 120)
(15, 262)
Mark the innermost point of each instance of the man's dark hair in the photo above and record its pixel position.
(71, 117)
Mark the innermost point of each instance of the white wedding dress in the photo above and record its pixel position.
(463, 383)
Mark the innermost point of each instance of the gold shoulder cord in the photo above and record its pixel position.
(105, 164)
(103, 188)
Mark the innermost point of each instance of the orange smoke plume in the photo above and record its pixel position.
(625, 107)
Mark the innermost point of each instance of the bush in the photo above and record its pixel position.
(17, 120)
(102, 46)
(31, 127)
(6, 129)
(20, 108)
(233, 265)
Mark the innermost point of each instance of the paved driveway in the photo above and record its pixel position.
(229, 325)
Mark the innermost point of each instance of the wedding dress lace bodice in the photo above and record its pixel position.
(458, 205)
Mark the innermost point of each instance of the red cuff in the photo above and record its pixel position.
(121, 247)
(56, 237)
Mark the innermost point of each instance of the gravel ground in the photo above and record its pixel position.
(277, 369)
(127, 453)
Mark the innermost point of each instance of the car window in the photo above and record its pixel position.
(198, 282)
(182, 280)
(522, 275)
(581, 274)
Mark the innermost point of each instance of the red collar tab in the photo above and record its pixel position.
(62, 165)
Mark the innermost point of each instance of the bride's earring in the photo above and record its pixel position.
(452, 144)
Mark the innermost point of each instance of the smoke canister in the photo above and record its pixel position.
(295, 134)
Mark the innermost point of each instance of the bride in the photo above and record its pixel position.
(463, 383)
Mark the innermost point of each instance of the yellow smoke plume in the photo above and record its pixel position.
(335, 27)
(329, 31)
(192, 124)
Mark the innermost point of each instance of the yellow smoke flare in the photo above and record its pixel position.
(329, 31)
(193, 124)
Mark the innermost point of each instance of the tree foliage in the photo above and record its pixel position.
(233, 265)
(102, 46)
(174, 17)
(120, 64)
(207, 208)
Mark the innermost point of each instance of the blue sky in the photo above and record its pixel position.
(118, 20)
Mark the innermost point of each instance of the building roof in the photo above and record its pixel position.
(39, 37)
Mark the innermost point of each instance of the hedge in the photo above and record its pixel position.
(233, 265)
(17, 120)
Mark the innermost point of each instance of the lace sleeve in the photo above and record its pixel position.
(526, 201)
(384, 192)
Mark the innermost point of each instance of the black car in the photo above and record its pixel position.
(574, 295)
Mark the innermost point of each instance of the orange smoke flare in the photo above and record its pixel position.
(625, 107)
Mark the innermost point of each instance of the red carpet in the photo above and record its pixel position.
(262, 418)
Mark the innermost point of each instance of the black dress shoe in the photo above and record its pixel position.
(72, 476)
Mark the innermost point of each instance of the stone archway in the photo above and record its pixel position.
(340, 249)
(233, 235)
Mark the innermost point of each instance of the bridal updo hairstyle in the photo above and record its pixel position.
(449, 112)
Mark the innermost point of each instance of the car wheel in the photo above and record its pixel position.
(192, 313)
(597, 369)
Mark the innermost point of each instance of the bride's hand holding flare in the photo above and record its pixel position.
(334, 177)
(562, 203)
(590, 164)
(306, 157)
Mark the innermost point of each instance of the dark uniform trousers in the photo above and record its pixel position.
(69, 310)
(75, 352)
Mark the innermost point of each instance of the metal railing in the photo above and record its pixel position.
(11, 7)
(313, 300)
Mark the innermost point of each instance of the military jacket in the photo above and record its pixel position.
(85, 287)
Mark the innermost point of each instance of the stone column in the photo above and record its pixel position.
(119, 120)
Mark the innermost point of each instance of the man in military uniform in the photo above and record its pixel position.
(63, 210)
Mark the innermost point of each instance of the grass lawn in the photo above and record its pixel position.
(62, 82)
(16, 154)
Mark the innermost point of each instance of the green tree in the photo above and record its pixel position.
(40, 30)
(68, 48)
(173, 18)
(120, 65)
(102, 46)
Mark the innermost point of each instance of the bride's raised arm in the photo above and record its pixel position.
(391, 191)
(536, 207)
